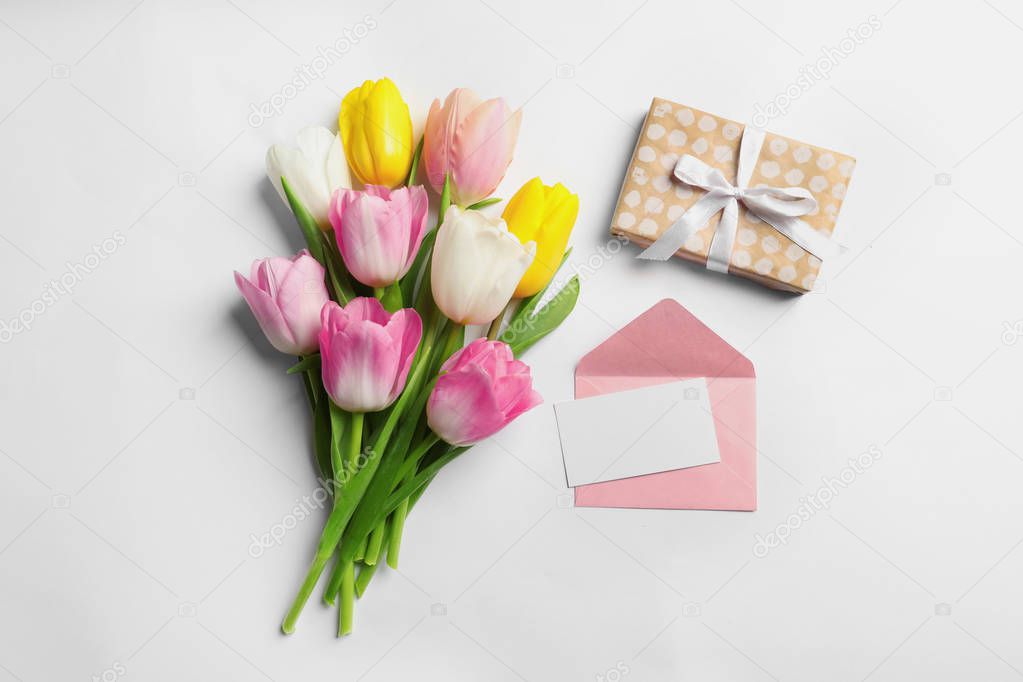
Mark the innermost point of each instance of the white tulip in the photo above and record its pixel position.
(477, 263)
(313, 171)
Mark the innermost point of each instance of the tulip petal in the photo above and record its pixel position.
(525, 210)
(419, 208)
(442, 124)
(366, 309)
(376, 130)
(406, 330)
(378, 191)
(476, 265)
(390, 128)
(462, 408)
(300, 297)
(268, 315)
(482, 150)
(314, 170)
(359, 366)
(481, 389)
(372, 241)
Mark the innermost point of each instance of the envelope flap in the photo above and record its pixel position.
(666, 340)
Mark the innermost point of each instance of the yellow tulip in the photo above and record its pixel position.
(376, 131)
(545, 215)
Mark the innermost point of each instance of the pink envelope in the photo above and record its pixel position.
(667, 343)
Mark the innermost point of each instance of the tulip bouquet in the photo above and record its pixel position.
(377, 308)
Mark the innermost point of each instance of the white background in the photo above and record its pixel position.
(148, 429)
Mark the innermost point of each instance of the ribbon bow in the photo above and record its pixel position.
(780, 207)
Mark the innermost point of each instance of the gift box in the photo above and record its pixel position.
(732, 197)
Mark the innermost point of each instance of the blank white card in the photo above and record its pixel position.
(633, 433)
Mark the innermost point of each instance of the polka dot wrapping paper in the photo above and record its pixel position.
(652, 199)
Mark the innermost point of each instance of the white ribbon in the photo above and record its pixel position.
(779, 207)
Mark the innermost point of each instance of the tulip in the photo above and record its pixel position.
(471, 141)
(480, 390)
(477, 263)
(286, 297)
(379, 231)
(366, 353)
(376, 130)
(313, 170)
(545, 215)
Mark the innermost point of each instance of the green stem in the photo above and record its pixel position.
(397, 528)
(445, 200)
(340, 429)
(390, 297)
(337, 574)
(360, 526)
(376, 542)
(365, 575)
(453, 342)
(420, 479)
(354, 442)
(344, 507)
(310, 392)
(416, 156)
(344, 626)
(495, 326)
(408, 467)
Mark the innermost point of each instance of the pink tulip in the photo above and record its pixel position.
(366, 353)
(286, 297)
(471, 140)
(379, 231)
(480, 390)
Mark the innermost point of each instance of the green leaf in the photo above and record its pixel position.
(454, 340)
(305, 364)
(483, 204)
(529, 305)
(419, 273)
(340, 423)
(423, 298)
(322, 433)
(337, 274)
(408, 282)
(529, 329)
(411, 180)
(445, 200)
(423, 477)
(310, 228)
